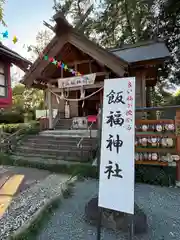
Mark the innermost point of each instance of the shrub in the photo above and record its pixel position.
(11, 117)
(30, 127)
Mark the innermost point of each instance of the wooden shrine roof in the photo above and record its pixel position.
(70, 45)
(144, 51)
(14, 58)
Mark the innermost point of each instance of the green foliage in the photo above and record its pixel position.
(169, 30)
(26, 100)
(11, 117)
(2, 2)
(25, 103)
(113, 23)
(43, 37)
(12, 128)
(156, 175)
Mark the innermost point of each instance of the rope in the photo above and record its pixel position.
(76, 100)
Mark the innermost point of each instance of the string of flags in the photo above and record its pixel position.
(59, 64)
(5, 35)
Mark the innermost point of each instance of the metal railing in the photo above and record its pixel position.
(81, 140)
(80, 145)
(89, 129)
(56, 119)
(7, 143)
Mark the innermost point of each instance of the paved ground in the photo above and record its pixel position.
(14, 180)
(161, 204)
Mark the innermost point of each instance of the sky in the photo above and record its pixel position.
(24, 19)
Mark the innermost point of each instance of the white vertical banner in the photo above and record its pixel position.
(116, 183)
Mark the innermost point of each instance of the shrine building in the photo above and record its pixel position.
(70, 54)
(7, 58)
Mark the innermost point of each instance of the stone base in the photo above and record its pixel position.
(116, 220)
(177, 183)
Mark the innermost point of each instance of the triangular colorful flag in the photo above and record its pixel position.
(5, 34)
(15, 39)
(45, 57)
(54, 62)
(65, 67)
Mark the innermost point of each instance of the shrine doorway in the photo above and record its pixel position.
(90, 105)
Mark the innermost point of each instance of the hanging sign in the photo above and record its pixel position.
(116, 184)
(79, 122)
(76, 81)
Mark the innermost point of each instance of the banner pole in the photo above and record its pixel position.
(98, 165)
(131, 227)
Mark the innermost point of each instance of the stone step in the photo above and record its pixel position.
(38, 155)
(70, 133)
(56, 152)
(54, 140)
(40, 159)
(59, 146)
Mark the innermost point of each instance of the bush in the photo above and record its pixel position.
(12, 128)
(155, 175)
(11, 117)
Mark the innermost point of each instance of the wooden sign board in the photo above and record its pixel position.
(79, 123)
(116, 184)
(76, 81)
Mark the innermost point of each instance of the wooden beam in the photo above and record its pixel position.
(56, 44)
(98, 74)
(96, 85)
(99, 54)
(80, 62)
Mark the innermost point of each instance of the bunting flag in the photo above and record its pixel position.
(5, 35)
(60, 64)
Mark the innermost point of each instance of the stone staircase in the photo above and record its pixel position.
(64, 124)
(67, 124)
(57, 146)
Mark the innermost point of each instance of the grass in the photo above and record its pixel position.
(40, 222)
(155, 175)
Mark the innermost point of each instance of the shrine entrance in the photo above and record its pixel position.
(89, 106)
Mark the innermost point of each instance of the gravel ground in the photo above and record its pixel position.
(161, 204)
(27, 203)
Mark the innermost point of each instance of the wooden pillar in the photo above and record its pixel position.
(148, 96)
(49, 103)
(143, 89)
(177, 123)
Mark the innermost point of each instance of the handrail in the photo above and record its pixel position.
(11, 136)
(56, 119)
(89, 128)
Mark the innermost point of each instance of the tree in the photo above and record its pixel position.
(169, 29)
(2, 2)
(124, 21)
(25, 100)
(74, 11)
(43, 37)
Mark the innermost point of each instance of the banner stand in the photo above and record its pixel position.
(99, 223)
(131, 227)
